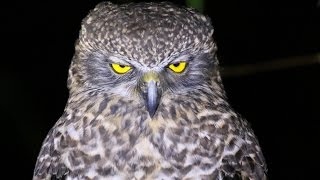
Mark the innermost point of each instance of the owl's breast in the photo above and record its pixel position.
(125, 142)
(168, 153)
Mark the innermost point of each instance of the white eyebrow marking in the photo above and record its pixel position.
(117, 60)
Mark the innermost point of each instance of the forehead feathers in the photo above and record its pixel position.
(145, 32)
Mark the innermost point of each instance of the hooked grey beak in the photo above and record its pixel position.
(151, 93)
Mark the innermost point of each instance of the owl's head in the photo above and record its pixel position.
(144, 51)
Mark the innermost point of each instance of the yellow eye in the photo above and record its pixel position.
(178, 67)
(120, 69)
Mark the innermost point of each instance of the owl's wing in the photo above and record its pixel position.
(247, 163)
(49, 166)
(253, 165)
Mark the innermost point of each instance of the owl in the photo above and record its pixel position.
(146, 101)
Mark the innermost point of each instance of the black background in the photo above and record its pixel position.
(37, 44)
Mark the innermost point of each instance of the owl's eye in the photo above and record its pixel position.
(120, 69)
(178, 67)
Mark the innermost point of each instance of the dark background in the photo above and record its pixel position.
(282, 104)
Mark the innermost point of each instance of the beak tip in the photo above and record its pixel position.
(151, 111)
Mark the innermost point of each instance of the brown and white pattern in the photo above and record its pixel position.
(106, 132)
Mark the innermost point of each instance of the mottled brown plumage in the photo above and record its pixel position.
(153, 121)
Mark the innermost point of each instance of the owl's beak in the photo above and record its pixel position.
(151, 92)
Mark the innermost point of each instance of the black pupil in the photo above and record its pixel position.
(176, 64)
(122, 66)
